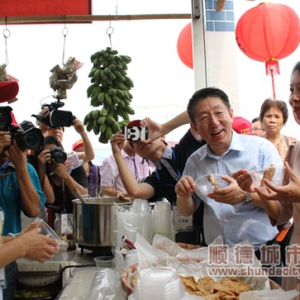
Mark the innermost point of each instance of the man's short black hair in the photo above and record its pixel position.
(255, 120)
(203, 94)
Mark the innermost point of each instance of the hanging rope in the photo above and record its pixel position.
(110, 29)
(64, 33)
(116, 14)
(109, 32)
(6, 35)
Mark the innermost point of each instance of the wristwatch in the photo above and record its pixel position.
(247, 199)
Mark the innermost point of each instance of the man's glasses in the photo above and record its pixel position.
(205, 118)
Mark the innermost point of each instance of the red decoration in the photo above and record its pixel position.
(14, 8)
(268, 32)
(185, 46)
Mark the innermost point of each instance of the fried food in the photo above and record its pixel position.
(268, 174)
(213, 181)
(233, 284)
(206, 285)
(133, 280)
(226, 289)
(190, 284)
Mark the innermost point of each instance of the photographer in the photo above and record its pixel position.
(58, 132)
(20, 189)
(56, 172)
(35, 158)
(111, 181)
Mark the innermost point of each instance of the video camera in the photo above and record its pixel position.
(57, 118)
(26, 138)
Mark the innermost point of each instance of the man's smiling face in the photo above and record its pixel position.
(213, 122)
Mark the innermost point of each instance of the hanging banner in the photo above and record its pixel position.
(14, 8)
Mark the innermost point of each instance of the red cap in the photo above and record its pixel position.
(78, 144)
(134, 123)
(242, 126)
(13, 120)
(8, 90)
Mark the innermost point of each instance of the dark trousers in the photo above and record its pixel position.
(277, 279)
(12, 278)
(285, 242)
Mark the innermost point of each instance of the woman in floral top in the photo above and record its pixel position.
(273, 116)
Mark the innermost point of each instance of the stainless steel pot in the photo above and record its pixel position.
(94, 221)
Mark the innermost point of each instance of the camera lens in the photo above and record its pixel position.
(32, 140)
(57, 118)
(60, 156)
(61, 118)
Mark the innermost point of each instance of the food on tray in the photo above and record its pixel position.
(226, 289)
(212, 180)
(268, 174)
(133, 280)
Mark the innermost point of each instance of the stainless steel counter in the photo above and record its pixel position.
(78, 285)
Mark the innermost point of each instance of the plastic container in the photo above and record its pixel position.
(277, 174)
(48, 231)
(131, 258)
(104, 262)
(208, 183)
(159, 283)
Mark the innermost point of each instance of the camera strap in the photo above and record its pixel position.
(64, 198)
(170, 170)
(6, 164)
(137, 177)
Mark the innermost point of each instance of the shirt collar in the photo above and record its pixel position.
(167, 154)
(236, 144)
(7, 164)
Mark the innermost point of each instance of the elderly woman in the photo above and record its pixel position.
(273, 116)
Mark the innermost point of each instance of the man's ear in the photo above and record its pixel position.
(231, 114)
(193, 125)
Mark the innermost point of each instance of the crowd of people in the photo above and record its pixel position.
(41, 182)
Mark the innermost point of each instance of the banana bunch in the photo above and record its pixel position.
(110, 92)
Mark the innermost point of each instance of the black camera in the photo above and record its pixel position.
(135, 133)
(28, 138)
(5, 117)
(58, 155)
(57, 118)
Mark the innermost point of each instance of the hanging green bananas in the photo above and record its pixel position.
(109, 88)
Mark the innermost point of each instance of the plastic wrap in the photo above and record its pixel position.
(106, 285)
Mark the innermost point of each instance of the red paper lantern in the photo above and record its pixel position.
(268, 32)
(185, 46)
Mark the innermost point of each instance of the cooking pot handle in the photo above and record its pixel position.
(71, 185)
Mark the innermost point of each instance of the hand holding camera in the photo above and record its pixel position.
(53, 117)
(28, 138)
(5, 140)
